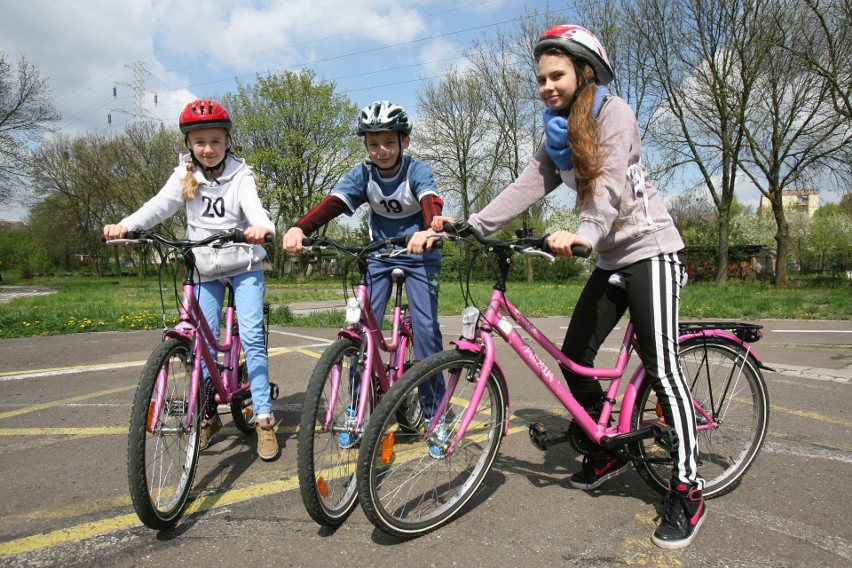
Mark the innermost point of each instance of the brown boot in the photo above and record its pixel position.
(208, 428)
(267, 443)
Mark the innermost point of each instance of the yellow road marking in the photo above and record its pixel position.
(56, 403)
(97, 528)
(812, 415)
(104, 431)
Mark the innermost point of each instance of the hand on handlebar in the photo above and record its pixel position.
(256, 234)
(419, 243)
(560, 243)
(113, 232)
(292, 241)
(438, 222)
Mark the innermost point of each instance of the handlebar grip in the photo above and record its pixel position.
(240, 237)
(399, 241)
(581, 251)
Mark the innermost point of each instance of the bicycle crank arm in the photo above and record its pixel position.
(663, 435)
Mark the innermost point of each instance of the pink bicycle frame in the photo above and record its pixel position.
(369, 330)
(193, 328)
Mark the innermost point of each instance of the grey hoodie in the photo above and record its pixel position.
(625, 221)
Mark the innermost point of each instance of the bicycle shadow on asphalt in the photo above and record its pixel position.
(492, 482)
(233, 455)
(561, 461)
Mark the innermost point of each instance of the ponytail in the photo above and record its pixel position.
(582, 135)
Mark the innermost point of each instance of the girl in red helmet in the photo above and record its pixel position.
(218, 191)
(592, 145)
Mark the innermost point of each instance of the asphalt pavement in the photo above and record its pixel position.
(65, 404)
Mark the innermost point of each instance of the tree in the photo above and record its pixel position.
(703, 64)
(93, 180)
(26, 113)
(297, 133)
(792, 128)
(455, 136)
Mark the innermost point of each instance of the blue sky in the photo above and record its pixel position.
(178, 50)
(182, 50)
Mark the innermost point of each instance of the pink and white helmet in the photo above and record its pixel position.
(579, 42)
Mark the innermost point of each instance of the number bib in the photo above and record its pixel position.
(399, 204)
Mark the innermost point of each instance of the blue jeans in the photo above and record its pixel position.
(249, 290)
(422, 284)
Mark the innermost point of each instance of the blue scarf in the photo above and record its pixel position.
(556, 131)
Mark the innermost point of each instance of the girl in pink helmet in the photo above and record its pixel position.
(592, 145)
(218, 191)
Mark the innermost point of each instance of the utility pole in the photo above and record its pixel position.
(138, 112)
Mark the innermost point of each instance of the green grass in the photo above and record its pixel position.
(124, 304)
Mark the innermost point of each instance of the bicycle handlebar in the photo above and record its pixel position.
(320, 242)
(534, 246)
(229, 236)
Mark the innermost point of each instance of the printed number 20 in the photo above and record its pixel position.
(214, 208)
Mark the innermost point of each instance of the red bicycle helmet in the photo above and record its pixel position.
(204, 114)
(578, 42)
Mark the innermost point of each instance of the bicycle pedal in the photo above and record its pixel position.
(540, 439)
(666, 437)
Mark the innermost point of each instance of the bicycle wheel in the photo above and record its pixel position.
(242, 407)
(403, 490)
(731, 390)
(410, 414)
(326, 465)
(162, 450)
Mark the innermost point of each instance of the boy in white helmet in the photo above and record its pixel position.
(403, 200)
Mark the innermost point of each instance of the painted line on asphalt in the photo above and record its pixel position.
(56, 403)
(833, 545)
(18, 375)
(810, 331)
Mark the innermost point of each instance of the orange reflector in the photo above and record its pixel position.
(322, 487)
(149, 424)
(659, 410)
(387, 448)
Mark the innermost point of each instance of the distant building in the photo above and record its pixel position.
(804, 199)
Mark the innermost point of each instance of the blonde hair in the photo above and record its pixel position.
(189, 184)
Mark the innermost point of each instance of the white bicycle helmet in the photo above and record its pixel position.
(578, 42)
(383, 116)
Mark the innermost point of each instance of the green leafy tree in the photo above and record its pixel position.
(298, 134)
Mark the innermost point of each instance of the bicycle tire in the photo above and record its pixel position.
(741, 408)
(410, 414)
(161, 464)
(242, 409)
(403, 490)
(327, 471)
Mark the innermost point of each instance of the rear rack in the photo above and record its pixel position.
(748, 332)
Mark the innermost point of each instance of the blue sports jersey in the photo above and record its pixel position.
(394, 202)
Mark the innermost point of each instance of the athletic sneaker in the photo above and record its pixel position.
(267, 443)
(598, 468)
(349, 439)
(208, 428)
(684, 513)
(439, 434)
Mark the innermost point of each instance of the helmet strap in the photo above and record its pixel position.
(577, 92)
(209, 170)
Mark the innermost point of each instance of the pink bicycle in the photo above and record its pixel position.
(406, 492)
(165, 422)
(347, 382)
